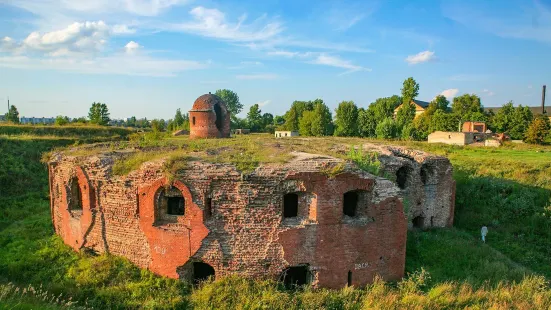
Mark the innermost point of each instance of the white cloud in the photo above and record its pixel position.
(266, 76)
(212, 23)
(132, 47)
(120, 64)
(264, 103)
(487, 92)
(450, 93)
(136, 7)
(420, 57)
(334, 61)
(123, 29)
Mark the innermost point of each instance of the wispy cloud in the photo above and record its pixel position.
(487, 92)
(342, 15)
(265, 76)
(450, 93)
(264, 103)
(212, 23)
(120, 64)
(80, 47)
(335, 61)
(420, 57)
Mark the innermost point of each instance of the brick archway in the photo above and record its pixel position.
(171, 244)
(76, 223)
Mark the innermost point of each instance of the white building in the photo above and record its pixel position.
(283, 134)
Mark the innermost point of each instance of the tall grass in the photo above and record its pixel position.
(449, 268)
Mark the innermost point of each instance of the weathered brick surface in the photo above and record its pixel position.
(244, 231)
(203, 117)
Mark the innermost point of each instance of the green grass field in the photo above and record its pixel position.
(508, 189)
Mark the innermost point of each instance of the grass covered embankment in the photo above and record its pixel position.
(494, 187)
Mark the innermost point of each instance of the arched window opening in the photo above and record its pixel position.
(350, 203)
(426, 174)
(171, 201)
(418, 222)
(208, 208)
(202, 272)
(75, 198)
(290, 205)
(402, 176)
(219, 119)
(296, 276)
(349, 278)
(193, 120)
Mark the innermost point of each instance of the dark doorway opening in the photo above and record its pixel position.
(350, 203)
(175, 205)
(349, 278)
(290, 205)
(76, 196)
(202, 272)
(293, 277)
(208, 208)
(426, 174)
(418, 221)
(402, 177)
(219, 119)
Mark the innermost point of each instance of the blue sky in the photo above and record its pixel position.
(146, 58)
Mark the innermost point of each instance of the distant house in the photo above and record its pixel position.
(284, 134)
(2, 118)
(37, 120)
(420, 107)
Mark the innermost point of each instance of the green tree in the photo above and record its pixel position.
(305, 123)
(538, 130)
(366, 123)
(131, 122)
(346, 119)
(384, 107)
(13, 115)
(439, 103)
(405, 115)
(410, 90)
(466, 106)
(268, 123)
(254, 118)
(61, 120)
(292, 117)
(386, 129)
(520, 121)
(158, 125)
(502, 120)
(322, 124)
(442, 121)
(409, 132)
(179, 119)
(231, 99)
(99, 114)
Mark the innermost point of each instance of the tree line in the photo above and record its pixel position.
(391, 117)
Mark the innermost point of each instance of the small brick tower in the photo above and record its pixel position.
(209, 118)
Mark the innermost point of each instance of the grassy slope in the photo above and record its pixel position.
(494, 188)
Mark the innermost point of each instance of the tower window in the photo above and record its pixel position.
(219, 120)
(290, 205)
(175, 205)
(402, 176)
(193, 120)
(350, 203)
(75, 198)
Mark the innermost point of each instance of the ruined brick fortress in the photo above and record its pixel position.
(291, 221)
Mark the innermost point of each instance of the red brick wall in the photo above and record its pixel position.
(246, 233)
